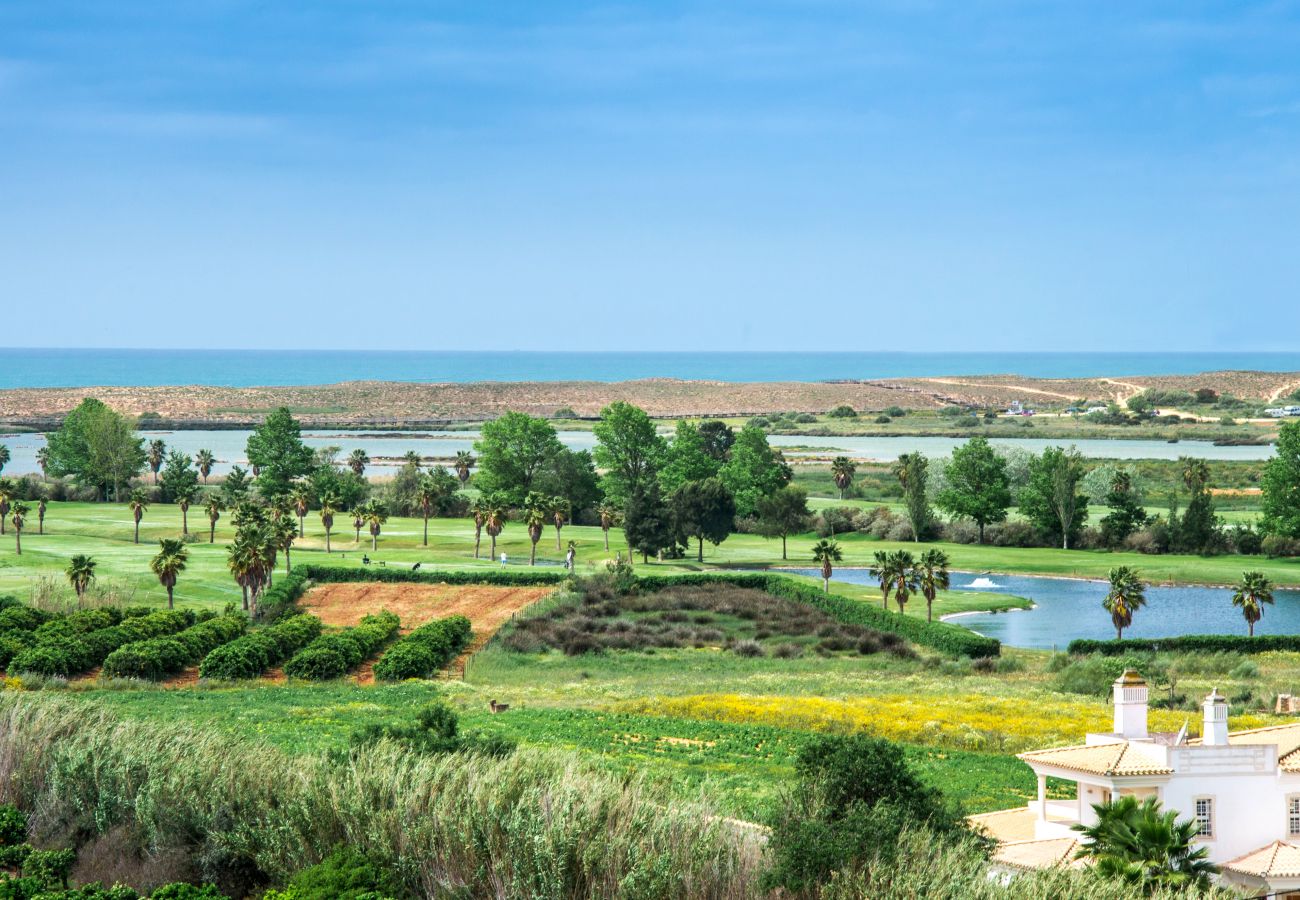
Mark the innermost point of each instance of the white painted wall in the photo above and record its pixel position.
(1249, 795)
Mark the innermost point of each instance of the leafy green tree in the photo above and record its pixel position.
(753, 470)
(783, 513)
(704, 510)
(213, 505)
(138, 502)
(1126, 514)
(157, 453)
(842, 471)
(1281, 485)
(18, 517)
(827, 552)
(647, 522)
(204, 461)
(513, 450)
(1127, 594)
(168, 564)
(912, 472)
(628, 448)
(178, 477)
(413, 458)
(276, 451)
(236, 485)
(932, 576)
(687, 459)
(1198, 530)
(1250, 595)
(1134, 841)
(98, 447)
(80, 572)
(571, 474)
(1052, 500)
(357, 462)
(718, 438)
(976, 485)
(350, 488)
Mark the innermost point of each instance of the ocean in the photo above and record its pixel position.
(20, 368)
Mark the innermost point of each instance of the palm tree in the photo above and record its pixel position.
(537, 511)
(932, 574)
(559, 516)
(283, 535)
(608, 516)
(428, 495)
(375, 515)
(495, 523)
(80, 572)
(43, 460)
(1134, 841)
(300, 497)
(413, 458)
(244, 559)
(843, 470)
(137, 503)
(464, 462)
(157, 453)
(357, 521)
(204, 460)
(41, 505)
(883, 572)
(827, 553)
(1252, 592)
(4, 457)
(184, 497)
(18, 516)
(213, 505)
(480, 511)
(1127, 594)
(358, 460)
(8, 493)
(169, 563)
(906, 577)
(329, 505)
(1196, 473)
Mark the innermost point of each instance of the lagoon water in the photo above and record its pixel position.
(25, 367)
(1068, 608)
(386, 447)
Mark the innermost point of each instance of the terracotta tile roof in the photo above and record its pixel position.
(1277, 860)
(1120, 758)
(1039, 854)
(1006, 825)
(1286, 737)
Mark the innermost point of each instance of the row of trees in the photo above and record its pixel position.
(1127, 594)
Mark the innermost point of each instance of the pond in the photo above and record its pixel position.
(1069, 608)
(386, 448)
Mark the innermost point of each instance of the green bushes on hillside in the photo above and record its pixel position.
(159, 658)
(425, 650)
(254, 653)
(335, 654)
(66, 655)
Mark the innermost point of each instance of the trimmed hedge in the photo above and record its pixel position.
(425, 650)
(279, 598)
(508, 578)
(254, 653)
(950, 639)
(158, 658)
(335, 654)
(1188, 643)
(68, 655)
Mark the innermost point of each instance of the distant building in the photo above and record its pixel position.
(1241, 788)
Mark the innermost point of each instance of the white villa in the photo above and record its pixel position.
(1242, 788)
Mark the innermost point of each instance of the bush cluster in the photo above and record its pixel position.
(436, 729)
(254, 653)
(425, 650)
(1189, 643)
(335, 654)
(159, 658)
(69, 654)
(279, 598)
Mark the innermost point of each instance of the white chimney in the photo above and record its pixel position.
(1131, 705)
(1214, 733)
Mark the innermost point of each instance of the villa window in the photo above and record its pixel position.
(1293, 815)
(1204, 817)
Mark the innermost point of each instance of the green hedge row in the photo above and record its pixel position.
(158, 658)
(506, 577)
(425, 650)
(1207, 643)
(22, 618)
(279, 599)
(254, 653)
(950, 639)
(68, 655)
(335, 654)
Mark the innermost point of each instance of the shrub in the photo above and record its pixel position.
(49, 866)
(346, 874)
(1276, 545)
(425, 650)
(22, 618)
(13, 825)
(882, 420)
(1190, 643)
(252, 654)
(842, 411)
(279, 599)
(747, 648)
(67, 655)
(159, 658)
(334, 655)
(894, 412)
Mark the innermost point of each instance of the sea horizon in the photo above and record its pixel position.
(95, 367)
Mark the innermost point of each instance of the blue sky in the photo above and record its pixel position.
(560, 175)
